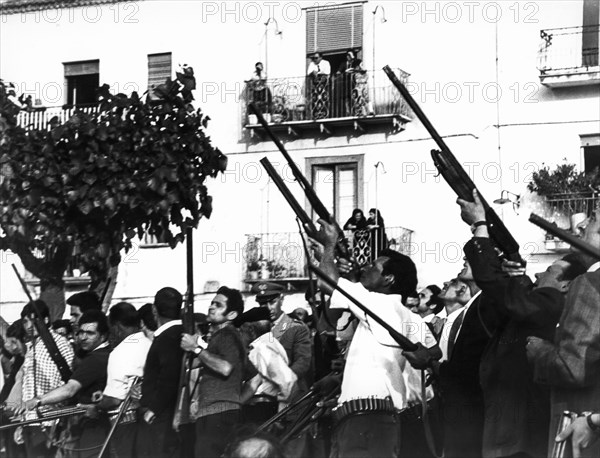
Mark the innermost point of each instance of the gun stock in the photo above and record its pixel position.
(309, 192)
(44, 333)
(457, 177)
(566, 236)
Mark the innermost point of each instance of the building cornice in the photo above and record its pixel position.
(25, 6)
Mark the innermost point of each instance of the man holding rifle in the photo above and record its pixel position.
(571, 364)
(378, 382)
(40, 372)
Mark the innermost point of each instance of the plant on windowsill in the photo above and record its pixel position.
(253, 269)
(566, 190)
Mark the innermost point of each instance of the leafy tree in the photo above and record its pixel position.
(84, 189)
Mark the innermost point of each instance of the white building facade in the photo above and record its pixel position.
(510, 86)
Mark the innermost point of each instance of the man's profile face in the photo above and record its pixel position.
(89, 337)
(75, 314)
(551, 278)
(455, 290)
(466, 273)
(217, 312)
(371, 276)
(421, 306)
(29, 327)
(275, 307)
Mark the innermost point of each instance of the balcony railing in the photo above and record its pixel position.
(280, 255)
(39, 118)
(301, 101)
(569, 55)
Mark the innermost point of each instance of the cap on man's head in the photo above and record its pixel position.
(252, 315)
(85, 300)
(266, 291)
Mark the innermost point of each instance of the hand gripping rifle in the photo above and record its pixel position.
(457, 178)
(566, 236)
(309, 192)
(182, 409)
(44, 333)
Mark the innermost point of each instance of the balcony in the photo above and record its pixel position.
(569, 56)
(38, 118)
(326, 104)
(279, 256)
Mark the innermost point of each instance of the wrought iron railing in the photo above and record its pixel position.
(569, 204)
(313, 98)
(563, 49)
(39, 118)
(280, 255)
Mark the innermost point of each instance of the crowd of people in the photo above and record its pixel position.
(491, 365)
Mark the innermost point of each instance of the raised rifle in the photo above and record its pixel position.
(182, 408)
(458, 179)
(565, 236)
(45, 336)
(309, 192)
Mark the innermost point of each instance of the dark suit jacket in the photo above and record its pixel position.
(517, 410)
(571, 365)
(459, 376)
(161, 373)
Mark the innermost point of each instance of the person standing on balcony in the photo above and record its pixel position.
(379, 239)
(318, 86)
(348, 78)
(258, 91)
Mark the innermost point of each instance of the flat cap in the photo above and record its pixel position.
(266, 291)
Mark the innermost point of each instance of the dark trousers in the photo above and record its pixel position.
(368, 434)
(258, 413)
(157, 440)
(122, 442)
(35, 443)
(213, 433)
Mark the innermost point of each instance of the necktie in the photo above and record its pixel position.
(453, 332)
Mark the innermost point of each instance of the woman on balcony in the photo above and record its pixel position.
(378, 236)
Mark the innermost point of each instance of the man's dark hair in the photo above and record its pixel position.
(95, 316)
(86, 300)
(41, 307)
(125, 314)
(404, 271)
(57, 324)
(16, 330)
(577, 266)
(434, 299)
(168, 303)
(147, 317)
(235, 302)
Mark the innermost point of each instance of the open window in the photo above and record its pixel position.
(82, 79)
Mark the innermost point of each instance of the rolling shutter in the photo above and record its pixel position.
(334, 28)
(159, 69)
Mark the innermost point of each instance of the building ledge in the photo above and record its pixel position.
(584, 76)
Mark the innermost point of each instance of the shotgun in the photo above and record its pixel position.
(565, 236)
(182, 409)
(457, 178)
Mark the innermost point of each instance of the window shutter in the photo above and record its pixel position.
(159, 69)
(333, 29)
(87, 67)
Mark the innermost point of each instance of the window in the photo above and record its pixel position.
(159, 69)
(338, 183)
(591, 152)
(334, 29)
(82, 79)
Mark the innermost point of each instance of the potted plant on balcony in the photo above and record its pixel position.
(253, 269)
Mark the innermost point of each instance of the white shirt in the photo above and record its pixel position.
(322, 68)
(125, 362)
(271, 362)
(164, 327)
(450, 319)
(428, 318)
(375, 367)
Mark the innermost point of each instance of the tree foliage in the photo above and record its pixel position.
(89, 186)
